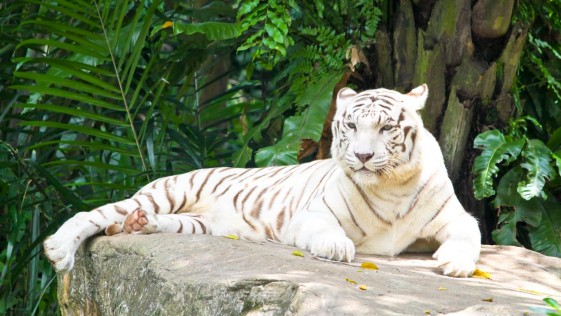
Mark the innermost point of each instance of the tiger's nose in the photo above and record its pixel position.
(364, 157)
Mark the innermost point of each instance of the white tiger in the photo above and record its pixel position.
(385, 187)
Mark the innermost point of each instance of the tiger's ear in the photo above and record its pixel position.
(344, 96)
(420, 95)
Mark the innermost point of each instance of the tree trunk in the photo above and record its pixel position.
(468, 55)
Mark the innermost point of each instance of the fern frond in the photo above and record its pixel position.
(496, 149)
(537, 162)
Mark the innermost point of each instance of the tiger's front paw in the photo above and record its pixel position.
(456, 259)
(60, 252)
(140, 222)
(332, 246)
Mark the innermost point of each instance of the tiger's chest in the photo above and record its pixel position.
(387, 220)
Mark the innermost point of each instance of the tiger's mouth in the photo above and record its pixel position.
(377, 170)
(365, 170)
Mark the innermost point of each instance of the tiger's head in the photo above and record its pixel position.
(375, 132)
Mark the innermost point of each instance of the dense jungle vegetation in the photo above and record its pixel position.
(99, 97)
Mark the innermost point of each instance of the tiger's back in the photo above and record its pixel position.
(254, 204)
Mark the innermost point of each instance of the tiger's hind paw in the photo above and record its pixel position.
(140, 222)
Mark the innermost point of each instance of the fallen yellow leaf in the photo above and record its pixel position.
(369, 265)
(490, 299)
(350, 281)
(234, 237)
(363, 287)
(481, 274)
(442, 289)
(167, 24)
(298, 253)
(427, 312)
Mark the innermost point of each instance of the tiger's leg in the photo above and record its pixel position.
(320, 233)
(460, 240)
(60, 247)
(141, 222)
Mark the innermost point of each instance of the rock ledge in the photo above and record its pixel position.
(170, 274)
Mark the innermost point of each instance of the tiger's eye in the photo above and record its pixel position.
(351, 125)
(387, 127)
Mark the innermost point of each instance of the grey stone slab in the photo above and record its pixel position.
(171, 274)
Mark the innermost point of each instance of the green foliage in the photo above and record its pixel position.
(537, 162)
(526, 158)
(521, 192)
(269, 23)
(496, 149)
(307, 125)
(554, 310)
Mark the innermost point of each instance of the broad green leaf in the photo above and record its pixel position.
(557, 161)
(213, 31)
(546, 237)
(210, 10)
(537, 158)
(275, 33)
(552, 303)
(554, 142)
(243, 155)
(281, 154)
(506, 233)
(247, 7)
(496, 149)
(529, 211)
(307, 125)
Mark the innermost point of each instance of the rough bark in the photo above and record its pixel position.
(491, 18)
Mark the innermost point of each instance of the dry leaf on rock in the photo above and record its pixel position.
(350, 281)
(369, 265)
(481, 274)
